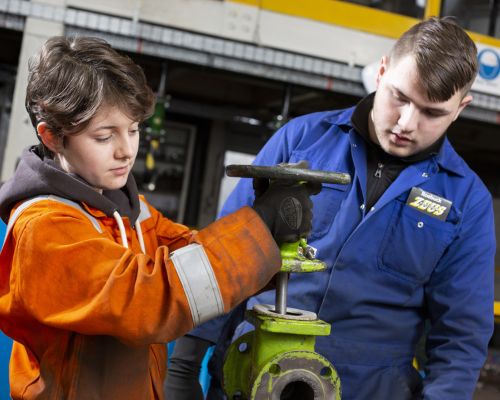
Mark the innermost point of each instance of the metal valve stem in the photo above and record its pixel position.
(281, 292)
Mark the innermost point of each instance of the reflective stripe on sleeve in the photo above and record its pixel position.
(198, 280)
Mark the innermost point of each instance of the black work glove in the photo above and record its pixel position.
(285, 207)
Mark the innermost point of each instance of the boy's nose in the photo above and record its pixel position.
(126, 147)
(408, 119)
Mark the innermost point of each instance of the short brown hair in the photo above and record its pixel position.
(72, 77)
(445, 55)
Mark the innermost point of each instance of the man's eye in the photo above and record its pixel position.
(134, 132)
(397, 98)
(103, 139)
(432, 114)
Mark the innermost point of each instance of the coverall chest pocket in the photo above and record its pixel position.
(414, 242)
(326, 204)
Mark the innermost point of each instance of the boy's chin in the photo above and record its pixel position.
(112, 185)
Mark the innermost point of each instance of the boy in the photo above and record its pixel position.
(93, 280)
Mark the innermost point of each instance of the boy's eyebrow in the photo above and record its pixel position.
(434, 110)
(102, 127)
(98, 128)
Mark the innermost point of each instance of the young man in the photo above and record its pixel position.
(410, 240)
(93, 280)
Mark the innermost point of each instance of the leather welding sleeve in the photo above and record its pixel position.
(182, 382)
(68, 276)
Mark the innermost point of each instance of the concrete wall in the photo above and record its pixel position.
(21, 133)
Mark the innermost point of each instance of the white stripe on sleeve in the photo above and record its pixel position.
(198, 280)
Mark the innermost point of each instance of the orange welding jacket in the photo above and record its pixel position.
(90, 318)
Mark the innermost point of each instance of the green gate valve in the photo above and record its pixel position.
(296, 257)
(277, 360)
(299, 257)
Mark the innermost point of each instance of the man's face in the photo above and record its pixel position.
(104, 152)
(403, 120)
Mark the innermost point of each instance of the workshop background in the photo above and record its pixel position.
(228, 73)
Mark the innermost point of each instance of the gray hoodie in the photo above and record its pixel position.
(37, 175)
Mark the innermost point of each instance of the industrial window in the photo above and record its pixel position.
(410, 8)
(479, 16)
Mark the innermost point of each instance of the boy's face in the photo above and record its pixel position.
(403, 120)
(104, 152)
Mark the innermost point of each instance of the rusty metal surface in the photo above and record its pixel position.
(297, 376)
(279, 172)
(291, 313)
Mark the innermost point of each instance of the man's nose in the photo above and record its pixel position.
(408, 119)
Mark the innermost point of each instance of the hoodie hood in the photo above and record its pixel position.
(38, 175)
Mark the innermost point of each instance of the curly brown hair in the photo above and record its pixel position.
(70, 78)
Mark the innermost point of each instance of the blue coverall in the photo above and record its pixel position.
(391, 267)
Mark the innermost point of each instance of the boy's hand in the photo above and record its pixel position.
(285, 207)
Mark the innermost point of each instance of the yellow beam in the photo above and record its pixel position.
(340, 13)
(356, 17)
(432, 8)
(254, 3)
(483, 39)
(496, 308)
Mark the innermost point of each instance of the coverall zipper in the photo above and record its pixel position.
(378, 172)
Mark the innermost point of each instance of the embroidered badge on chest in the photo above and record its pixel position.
(429, 203)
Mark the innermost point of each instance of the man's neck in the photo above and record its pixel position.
(371, 128)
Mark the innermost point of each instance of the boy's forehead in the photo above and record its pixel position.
(107, 110)
(111, 114)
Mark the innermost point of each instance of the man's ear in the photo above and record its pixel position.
(382, 68)
(49, 138)
(465, 101)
